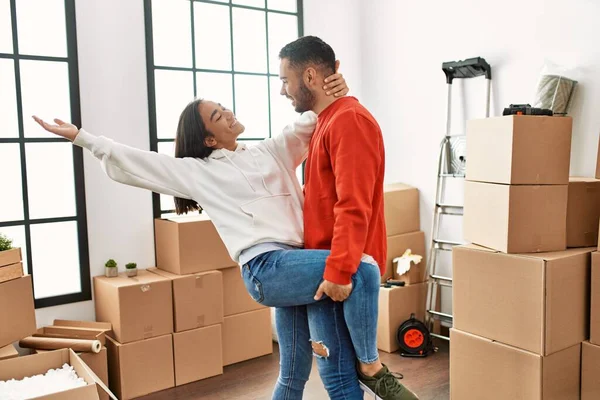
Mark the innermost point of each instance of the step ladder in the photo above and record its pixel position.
(451, 165)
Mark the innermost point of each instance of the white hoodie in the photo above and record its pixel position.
(252, 194)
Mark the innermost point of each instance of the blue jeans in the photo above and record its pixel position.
(288, 279)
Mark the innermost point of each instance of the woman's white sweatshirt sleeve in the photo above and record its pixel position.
(159, 173)
(291, 146)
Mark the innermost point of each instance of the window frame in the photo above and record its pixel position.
(78, 169)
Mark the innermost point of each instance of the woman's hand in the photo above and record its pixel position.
(64, 129)
(336, 84)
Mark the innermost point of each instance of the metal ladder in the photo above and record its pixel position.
(451, 165)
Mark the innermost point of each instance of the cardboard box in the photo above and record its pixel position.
(10, 272)
(138, 308)
(536, 302)
(598, 162)
(21, 367)
(7, 352)
(401, 207)
(17, 310)
(595, 300)
(105, 327)
(395, 306)
(590, 371)
(140, 368)
(197, 299)
(236, 298)
(583, 212)
(516, 219)
(484, 369)
(247, 336)
(519, 150)
(98, 363)
(198, 354)
(9, 257)
(396, 246)
(186, 245)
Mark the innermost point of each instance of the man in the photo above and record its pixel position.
(343, 211)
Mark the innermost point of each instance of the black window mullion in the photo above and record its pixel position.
(268, 70)
(193, 48)
(232, 57)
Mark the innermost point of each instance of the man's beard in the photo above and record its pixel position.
(305, 100)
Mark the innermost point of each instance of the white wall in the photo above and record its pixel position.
(403, 46)
(114, 102)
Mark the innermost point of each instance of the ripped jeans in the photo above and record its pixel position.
(336, 333)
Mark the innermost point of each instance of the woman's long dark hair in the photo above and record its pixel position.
(189, 142)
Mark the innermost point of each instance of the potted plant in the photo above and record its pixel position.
(8, 254)
(131, 269)
(110, 269)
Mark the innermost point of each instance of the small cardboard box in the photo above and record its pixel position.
(21, 367)
(138, 308)
(401, 208)
(140, 368)
(247, 336)
(583, 212)
(395, 306)
(186, 245)
(519, 150)
(485, 369)
(197, 299)
(198, 354)
(17, 310)
(516, 219)
(9, 257)
(595, 300)
(536, 302)
(7, 352)
(236, 298)
(98, 363)
(396, 246)
(590, 371)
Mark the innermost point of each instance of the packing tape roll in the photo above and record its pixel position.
(554, 92)
(49, 343)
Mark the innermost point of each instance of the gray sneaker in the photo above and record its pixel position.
(385, 386)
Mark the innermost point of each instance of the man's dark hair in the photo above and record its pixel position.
(309, 50)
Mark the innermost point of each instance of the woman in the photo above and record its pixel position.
(254, 200)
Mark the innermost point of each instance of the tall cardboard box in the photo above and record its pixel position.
(519, 150)
(17, 310)
(197, 299)
(595, 300)
(590, 371)
(138, 308)
(21, 367)
(516, 219)
(401, 208)
(536, 302)
(395, 306)
(247, 336)
(7, 352)
(186, 245)
(396, 246)
(236, 298)
(583, 212)
(198, 354)
(139, 368)
(484, 369)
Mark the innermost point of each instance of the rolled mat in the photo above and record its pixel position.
(49, 343)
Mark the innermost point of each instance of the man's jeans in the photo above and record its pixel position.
(336, 333)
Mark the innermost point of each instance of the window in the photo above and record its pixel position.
(42, 200)
(222, 50)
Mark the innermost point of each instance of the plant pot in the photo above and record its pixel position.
(111, 272)
(131, 272)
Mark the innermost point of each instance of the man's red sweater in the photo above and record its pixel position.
(343, 207)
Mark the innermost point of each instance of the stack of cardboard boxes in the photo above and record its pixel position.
(17, 310)
(520, 297)
(396, 304)
(184, 320)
